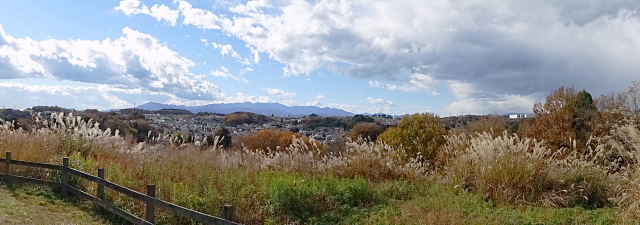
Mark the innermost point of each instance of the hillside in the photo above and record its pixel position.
(259, 108)
(36, 206)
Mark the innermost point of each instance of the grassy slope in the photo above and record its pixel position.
(37, 206)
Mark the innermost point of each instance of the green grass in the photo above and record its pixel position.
(437, 204)
(36, 205)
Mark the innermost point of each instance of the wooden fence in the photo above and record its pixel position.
(148, 198)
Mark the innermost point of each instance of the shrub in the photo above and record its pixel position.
(221, 135)
(182, 137)
(367, 131)
(512, 170)
(418, 134)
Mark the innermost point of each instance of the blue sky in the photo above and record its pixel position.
(446, 57)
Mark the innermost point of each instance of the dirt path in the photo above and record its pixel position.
(36, 206)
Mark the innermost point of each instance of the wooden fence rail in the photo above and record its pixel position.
(149, 198)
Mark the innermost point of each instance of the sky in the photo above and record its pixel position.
(447, 57)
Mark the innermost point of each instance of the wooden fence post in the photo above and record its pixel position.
(100, 193)
(65, 176)
(8, 164)
(228, 212)
(151, 208)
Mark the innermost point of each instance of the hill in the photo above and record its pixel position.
(260, 108)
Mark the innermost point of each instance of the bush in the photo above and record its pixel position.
(366, 131)
(222, 135)
(511, 170)
(418, 134)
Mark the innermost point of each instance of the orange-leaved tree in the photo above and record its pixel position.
(566, 116)
(366, 131)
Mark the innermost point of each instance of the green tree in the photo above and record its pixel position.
(182, 137)
(223, 135)
(143, 129)
(421, 133)
(584, 111)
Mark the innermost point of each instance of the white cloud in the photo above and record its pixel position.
(242, 97)
(226, 50)
(347, 107)
(314, 103)
(245, 70)
(416, 83)
(375, 84)
(102, 97)
(225, 73)
(473, 101)
(159, 12)
(280, 93)
(319, 97)
(133, 61)
(380, 101)
(198, 17)
(505, 47)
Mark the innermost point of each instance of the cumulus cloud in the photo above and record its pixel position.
(159, 12)
(499, 48)
(314, 103)
(280, 93)
(380, 101)
(133, 61)
(100, 97)
(320, 97)
(226, 50)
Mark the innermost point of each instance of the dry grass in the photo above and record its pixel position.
(502, 169)
(512, 170)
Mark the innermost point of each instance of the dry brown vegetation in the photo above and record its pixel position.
(577, 162)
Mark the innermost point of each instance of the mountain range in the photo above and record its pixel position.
(267, 109)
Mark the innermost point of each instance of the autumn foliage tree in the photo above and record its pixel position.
(491, 124)
(421, 133)
(273, 140)
(238, 118)
(565, 116)
(366, 131)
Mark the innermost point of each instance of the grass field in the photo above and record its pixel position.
(476, 178)
(36, 205)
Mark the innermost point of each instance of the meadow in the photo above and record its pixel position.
(485, 175)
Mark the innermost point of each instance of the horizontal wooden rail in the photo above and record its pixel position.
(151, 201)
(36, 164)
(110, 207)
(52, 184)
